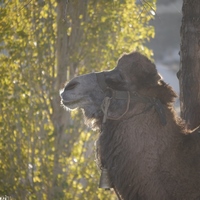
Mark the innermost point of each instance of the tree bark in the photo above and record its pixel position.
(68, 40)
(189, 73)
(60, 118)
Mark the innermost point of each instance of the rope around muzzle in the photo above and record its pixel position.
(106, 103)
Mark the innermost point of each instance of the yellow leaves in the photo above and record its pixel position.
(54, 26)
(53, 149)
(44, 14)
(50, 157)
(69, 30)
(117, 27)
(103, 19)
(36, 179)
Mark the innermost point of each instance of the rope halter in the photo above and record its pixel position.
(126, 95)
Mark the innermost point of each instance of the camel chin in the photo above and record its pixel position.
(70, 105)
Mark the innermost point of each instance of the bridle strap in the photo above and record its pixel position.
(121, 94)
(117, 94)
(126, 95)
(106, 103)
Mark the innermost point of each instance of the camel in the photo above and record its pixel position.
(148, 152)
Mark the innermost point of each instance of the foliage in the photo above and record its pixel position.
(123, 29)
(38, 160)
(27, 68)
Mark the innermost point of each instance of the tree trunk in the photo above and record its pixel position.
(60, 118)
(189, 74)
(69, 35)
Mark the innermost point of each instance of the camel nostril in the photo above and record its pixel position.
(71, 85)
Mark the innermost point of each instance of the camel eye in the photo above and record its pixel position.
(71, 85)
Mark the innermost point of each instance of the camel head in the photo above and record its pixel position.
(132, 73)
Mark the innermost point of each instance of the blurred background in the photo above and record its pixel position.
(166, 43)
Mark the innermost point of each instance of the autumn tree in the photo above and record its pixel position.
(44, 154)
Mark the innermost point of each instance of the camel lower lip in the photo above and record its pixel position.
(68, 103)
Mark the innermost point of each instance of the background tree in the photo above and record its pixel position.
(190, 63)
(44, 154)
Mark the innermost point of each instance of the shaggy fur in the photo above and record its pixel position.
(145, 159)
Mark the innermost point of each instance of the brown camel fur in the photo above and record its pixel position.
(144, 145)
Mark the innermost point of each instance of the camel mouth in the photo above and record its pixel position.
(73, 104)
(68, 103)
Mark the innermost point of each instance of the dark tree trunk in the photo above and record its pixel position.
(189, 74)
